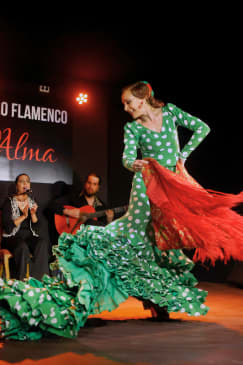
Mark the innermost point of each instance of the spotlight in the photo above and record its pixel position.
(82, 98)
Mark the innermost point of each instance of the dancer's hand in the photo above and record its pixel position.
(138, 165)
(181, 161)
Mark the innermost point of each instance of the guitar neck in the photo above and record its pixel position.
(100, 213)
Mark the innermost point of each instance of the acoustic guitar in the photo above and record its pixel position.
(67, 224)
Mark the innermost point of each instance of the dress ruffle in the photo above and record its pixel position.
(100, 272)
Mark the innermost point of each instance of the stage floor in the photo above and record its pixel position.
(129, 336)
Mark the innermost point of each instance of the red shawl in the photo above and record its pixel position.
(185, 215)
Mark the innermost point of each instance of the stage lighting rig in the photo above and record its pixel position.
(82, 98)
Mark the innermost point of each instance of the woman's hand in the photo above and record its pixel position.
(24, 215)
(25, 211)
(138, 165)
(33, 209)
(181, 161)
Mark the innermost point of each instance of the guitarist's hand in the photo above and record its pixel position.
(109, 215)
(73, 213)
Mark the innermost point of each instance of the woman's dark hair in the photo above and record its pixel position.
(143, 89)
(17, 178)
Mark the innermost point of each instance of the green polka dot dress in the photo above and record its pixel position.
(103, 266)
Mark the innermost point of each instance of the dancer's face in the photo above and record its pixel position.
(91, 187)
(136, 107)
(23, 184)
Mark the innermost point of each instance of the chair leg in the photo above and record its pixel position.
(28, 271)
(1, 270)
(6, 266)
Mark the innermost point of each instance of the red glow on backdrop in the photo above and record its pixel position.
(82, 98)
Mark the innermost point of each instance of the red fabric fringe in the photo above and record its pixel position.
(185, 215)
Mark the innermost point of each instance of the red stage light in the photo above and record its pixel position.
(82, 98)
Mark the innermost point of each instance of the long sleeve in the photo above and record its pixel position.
(188, 121)
(8, 223)
(56, 206)
(131, 142)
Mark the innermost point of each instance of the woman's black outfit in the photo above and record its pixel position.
(24, 241)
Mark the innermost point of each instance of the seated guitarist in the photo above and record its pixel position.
(88, 196)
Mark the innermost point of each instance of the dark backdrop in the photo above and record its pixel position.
(83, 146)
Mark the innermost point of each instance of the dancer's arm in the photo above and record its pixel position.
(131, 142)
(188, 121)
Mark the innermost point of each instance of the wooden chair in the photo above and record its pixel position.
(5, 255)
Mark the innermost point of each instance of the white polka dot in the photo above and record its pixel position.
(137, 221)
(158, 143)
(32, 321)
(138, 186)
(193, 122)
(31, 293)
(137, 211)
(160, 157)
(168, 161)
(164, 136)
(140, 204)
(143, 195)
(148, 139)
(168, 143)
(170, 150)
(130, 218)
(54, 320)
(150, 147)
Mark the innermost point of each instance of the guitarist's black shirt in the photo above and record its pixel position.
(78, 200)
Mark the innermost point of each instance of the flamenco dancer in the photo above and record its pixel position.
(139, 254)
